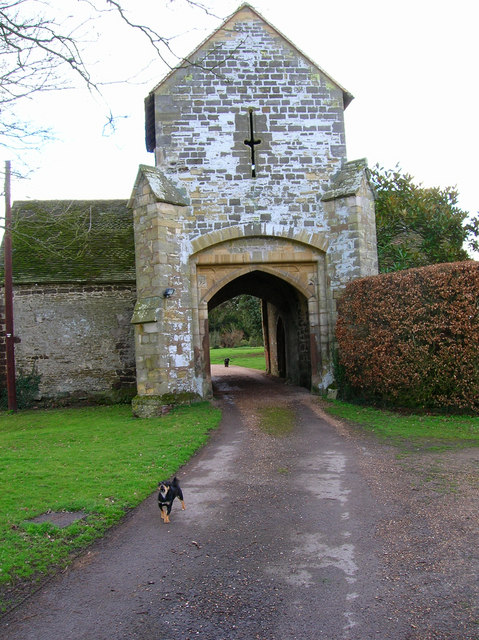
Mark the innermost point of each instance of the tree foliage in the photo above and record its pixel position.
(239, 316)
(411, 339)
(418, 226)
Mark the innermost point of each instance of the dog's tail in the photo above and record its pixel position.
(175, 482)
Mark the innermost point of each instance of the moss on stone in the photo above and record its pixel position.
(153, 406)
(146, 310)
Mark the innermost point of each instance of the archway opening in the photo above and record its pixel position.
(285, 321)
(236, 322)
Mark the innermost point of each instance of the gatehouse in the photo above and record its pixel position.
(249, 192)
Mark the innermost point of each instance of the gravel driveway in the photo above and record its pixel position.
(318, 533)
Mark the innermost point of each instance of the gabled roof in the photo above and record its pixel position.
(72, 241)
(347, 97)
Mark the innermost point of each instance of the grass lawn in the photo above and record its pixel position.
(251, 357)
(99, 460)
(416, 430)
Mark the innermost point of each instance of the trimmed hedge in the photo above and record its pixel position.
(411, 338)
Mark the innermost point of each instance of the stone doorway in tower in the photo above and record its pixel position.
(285, 320)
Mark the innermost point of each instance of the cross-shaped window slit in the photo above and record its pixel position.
(252, 142)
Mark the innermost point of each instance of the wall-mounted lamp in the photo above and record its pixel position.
(167, 293)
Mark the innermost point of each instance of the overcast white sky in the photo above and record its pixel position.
(411, 65)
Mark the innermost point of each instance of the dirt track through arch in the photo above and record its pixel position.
(284, 538)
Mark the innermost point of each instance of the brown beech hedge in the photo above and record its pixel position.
(411, 338)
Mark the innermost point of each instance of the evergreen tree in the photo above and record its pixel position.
(417, 226)
(241, 316)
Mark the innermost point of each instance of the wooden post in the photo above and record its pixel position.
(9, 331)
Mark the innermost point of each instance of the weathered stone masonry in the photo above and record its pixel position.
(211, 225)
(74, 294)
(78, 337)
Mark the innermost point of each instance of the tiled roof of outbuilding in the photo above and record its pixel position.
(72, 241)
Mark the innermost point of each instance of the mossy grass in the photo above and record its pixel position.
(276, 421)
(250, 357)
(410, 430)
(98, 460)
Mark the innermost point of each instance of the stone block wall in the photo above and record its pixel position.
(202, 121)
(349, 205)
(78, 337)
(366, 213)
(164, 340)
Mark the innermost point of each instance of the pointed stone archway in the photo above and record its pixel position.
(287, 351)
(289, 269)
(289, 278)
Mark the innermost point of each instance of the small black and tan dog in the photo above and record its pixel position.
(168, 491)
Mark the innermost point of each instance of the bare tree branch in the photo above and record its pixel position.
(42, 51)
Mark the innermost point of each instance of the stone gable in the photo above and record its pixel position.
(203, 119)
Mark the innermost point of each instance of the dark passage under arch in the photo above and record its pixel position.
(285, 322)
(281, 348)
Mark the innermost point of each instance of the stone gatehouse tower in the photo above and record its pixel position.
(251, 193)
